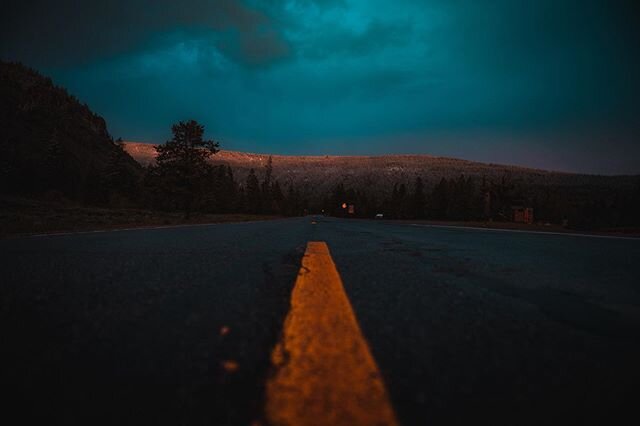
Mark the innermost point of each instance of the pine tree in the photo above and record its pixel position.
(293, 202)
(440, 200)
(117, 177)
(278, 197)
(230, 191)
(418, 199)
(252, 193)
(400, 204)
(267, 198)
(119, 143)
(182, 165)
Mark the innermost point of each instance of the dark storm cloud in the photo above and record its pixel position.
(521, 81)
(68, 31)
(570, 36)
(344, 41)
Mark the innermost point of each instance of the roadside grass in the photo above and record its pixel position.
(23, 216)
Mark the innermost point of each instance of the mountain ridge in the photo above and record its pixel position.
(316, 176)
(143, 153)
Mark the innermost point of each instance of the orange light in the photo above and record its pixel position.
(344, 205)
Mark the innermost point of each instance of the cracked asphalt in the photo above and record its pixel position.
(176, 325)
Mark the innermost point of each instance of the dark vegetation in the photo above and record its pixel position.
(56, 155)
(53, 145)
(182, 179)
(20, 215)
(473, 199)
(54, 149)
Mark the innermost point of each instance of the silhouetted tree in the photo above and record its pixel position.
(266, 194)
(400, 202)
(439, 200)
(182, 169)
(277, 197)
(294, 203)
(118, 179)
(418, 199)
(230, 190)
(252, 193)
(241, 200)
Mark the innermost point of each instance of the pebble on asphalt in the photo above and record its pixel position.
(230, 366)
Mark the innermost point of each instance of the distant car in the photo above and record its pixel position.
(379, 216)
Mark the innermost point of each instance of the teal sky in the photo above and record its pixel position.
(549, 84)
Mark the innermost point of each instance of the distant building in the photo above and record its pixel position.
(521, 214)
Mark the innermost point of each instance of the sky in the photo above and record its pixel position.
(547, 83)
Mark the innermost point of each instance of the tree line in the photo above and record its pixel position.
(183, 179)
(482, 199)
(453, 199)
(54, 146)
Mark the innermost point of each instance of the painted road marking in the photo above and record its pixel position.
(324, 371)
(522, 231)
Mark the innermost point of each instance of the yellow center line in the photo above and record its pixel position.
(324, 371)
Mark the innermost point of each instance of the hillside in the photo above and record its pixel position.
(319, 174)
(50, 141)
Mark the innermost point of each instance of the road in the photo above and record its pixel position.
(177, 325)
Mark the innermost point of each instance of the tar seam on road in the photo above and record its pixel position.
(523, 231)
(324, 373)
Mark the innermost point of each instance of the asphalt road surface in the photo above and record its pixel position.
(176, 325)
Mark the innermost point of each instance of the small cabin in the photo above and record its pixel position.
(521, 214)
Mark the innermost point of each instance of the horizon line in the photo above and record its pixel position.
(530, 168)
